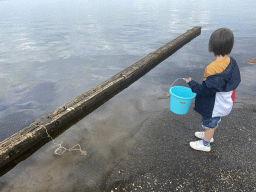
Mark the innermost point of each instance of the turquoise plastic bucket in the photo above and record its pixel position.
(181, 99)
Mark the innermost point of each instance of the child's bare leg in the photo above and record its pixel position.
(209, 133)
(215, 128)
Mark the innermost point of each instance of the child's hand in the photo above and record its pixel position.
(188, 80)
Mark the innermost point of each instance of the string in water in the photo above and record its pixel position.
(58, 150)
(171, 84)
(159, 86)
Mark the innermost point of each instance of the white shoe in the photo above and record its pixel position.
(200, 135)
(198, 145)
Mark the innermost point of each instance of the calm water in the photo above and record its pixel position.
(52, 51)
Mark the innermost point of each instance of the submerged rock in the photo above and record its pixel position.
(252, 61)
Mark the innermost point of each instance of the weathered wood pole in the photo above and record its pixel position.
(12, 148)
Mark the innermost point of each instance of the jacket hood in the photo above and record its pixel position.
(227, 80)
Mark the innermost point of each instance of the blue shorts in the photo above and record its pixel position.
(210, 123)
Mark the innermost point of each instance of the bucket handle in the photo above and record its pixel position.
(174, 82)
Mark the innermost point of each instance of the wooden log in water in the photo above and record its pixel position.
(12, 149)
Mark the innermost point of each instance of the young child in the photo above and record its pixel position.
(216, 95)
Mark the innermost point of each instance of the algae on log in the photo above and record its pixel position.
(17, 147)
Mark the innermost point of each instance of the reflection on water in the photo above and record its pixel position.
(131, 29)
(45, 35)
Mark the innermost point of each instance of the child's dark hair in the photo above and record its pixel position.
(221, 42)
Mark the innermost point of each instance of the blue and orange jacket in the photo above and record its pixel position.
(215, 97)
